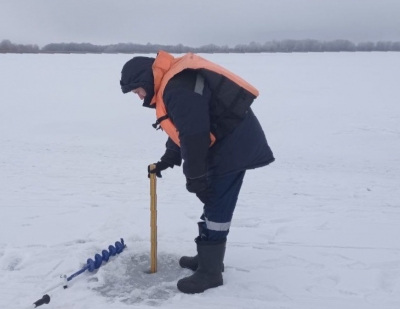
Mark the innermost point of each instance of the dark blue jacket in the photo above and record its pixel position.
(245, 148)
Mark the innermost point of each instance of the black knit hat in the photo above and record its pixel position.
(136, 73)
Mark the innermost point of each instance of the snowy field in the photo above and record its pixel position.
(319, 228)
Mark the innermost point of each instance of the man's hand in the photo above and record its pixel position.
(196, 185)
(160, 166)
(200, 187)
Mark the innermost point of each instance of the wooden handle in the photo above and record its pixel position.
(153, 221)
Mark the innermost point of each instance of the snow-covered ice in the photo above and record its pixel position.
(318, 228)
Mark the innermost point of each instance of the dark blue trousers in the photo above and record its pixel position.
(219, 204)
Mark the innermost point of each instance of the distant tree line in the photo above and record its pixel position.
(7, 47)
(284, 46)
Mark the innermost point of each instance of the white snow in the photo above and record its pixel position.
(319, 228)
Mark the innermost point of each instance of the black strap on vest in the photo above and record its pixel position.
(157, 124)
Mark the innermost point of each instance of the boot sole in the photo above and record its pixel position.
(189, 291)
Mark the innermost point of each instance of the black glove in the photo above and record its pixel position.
(196, 185)
(200, 187)
(204, 196)
(160, 166)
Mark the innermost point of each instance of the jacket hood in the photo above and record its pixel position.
(136, 73)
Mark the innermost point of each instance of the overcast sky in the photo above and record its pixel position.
(197, 22)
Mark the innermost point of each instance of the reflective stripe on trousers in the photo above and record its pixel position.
(215, 226)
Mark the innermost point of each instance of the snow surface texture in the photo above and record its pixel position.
(319, 228)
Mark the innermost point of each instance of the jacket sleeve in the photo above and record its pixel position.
(172, 154)
(189, 111)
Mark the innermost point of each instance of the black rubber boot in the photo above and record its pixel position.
(191, 262)
(210, 255)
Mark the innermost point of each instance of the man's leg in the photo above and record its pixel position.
(219, 205)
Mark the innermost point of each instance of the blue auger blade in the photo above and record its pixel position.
(112, 250)
(98, 260)
(106, 255)
(90, 265)
(119, 247)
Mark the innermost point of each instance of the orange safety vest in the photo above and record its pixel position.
(166, 66)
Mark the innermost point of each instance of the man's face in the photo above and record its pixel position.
(140, 92)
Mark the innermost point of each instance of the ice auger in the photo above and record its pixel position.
(91, 265)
